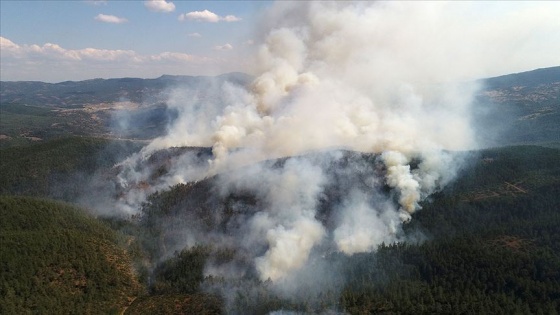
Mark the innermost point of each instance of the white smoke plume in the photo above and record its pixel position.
(364, 227)
(372, 77)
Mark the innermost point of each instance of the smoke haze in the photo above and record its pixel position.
(381, 79)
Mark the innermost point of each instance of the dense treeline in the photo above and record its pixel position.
(506, 189)
(488, 244)
(59, 168)
(56, 259)
(200, 304)
(492, 256)
(181, 273)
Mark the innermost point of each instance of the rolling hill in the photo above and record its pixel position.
(111, 108)
(488, 243)
(73, 94)
(496, 224)
(521, 108)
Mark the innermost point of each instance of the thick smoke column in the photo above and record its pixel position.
(351, 76)
(378, 78)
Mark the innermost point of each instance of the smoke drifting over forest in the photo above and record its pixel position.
(376, 78)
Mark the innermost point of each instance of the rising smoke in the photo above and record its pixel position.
(380, 79)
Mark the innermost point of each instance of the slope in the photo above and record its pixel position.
(56, 259)
(486, 244)
(521, 108)
(60, 168)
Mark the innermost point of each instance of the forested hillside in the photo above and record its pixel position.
(488, 243)
(56, 259)
(60, 168)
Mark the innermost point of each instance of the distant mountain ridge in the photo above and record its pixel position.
(520, 108)
(527, 78)
(94, 91)
(137, 90)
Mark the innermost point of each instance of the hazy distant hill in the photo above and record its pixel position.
(521, 108)
(80, 93)
(533, 78)
(113, 108)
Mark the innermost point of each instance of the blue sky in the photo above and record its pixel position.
(74, 40)
(72, 24)
(214, 46)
